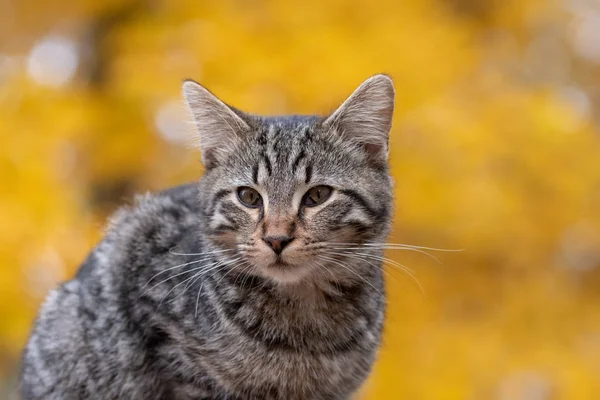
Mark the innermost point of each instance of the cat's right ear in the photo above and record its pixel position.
(218, 126)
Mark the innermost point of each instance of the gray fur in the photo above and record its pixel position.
(184, 300)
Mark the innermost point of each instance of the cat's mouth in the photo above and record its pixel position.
(279, 263)
(284, 271)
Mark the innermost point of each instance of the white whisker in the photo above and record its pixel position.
(172, 268)
(173, 288)
(195, 277)
(346, 267)
(201, 254)
(364, 259)
(202, 285)
(390, 245)
(171, 277)
(401, 267)
(388, 248)
(246, 266)
(232, 267)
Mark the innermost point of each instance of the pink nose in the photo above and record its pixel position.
(277, 243)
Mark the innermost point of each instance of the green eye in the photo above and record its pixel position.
(316, 195)
(249, 197)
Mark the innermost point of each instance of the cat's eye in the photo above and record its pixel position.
(316, 195)
(249, 197)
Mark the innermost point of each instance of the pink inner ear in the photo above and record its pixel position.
(375, 150)
(209, 159)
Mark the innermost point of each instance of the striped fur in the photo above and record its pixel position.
(183, 299)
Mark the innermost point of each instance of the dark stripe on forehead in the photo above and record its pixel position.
(262, 139)
(255, 174)
(276, 138)
(267, 164)
(308, 173)
(306, 138)
(307, 135)
(299, 158)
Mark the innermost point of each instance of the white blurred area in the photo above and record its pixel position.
(550, 58)
(173, 123)
(585, 29)
(53, 61)
(44, 272)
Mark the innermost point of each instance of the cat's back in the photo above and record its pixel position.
(81, 328)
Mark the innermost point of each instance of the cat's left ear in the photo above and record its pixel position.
(218, 126)
(365, 118)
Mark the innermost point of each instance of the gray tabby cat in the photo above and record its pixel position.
(258, 282)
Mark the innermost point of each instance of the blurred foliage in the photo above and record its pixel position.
(495, 150)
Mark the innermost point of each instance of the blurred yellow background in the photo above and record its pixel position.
(495, 150)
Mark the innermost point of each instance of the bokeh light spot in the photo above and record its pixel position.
(53, 61)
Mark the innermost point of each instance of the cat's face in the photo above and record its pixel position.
(289, 198)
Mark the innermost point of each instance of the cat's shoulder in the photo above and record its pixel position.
(155, 213)
(152, 225)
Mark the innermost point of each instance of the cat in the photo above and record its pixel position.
(257, 282)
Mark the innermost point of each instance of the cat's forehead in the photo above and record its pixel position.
(285, 153)
(283, 136)
(278, 153)
(290, 122)
(288, 128)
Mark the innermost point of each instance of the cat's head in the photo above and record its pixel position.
(287, 196)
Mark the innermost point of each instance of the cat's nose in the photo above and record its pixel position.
(277, 243)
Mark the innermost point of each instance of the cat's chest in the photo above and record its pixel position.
(276, 360)
(276, 372)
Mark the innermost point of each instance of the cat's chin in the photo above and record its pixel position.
(286, 273)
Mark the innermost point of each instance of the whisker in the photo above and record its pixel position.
(232, 267)
(362, 258)
(197, 299)
(333, 277)
(264, 284)
(195, 278)
(172, 268)
(179, 274)
(171, 277)
(173, 288)
(395, 244)
(390, 262)
(378, 258)
(387, 248)
(202, 285)
(350, 270)
(246, 266)
(201, 254)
